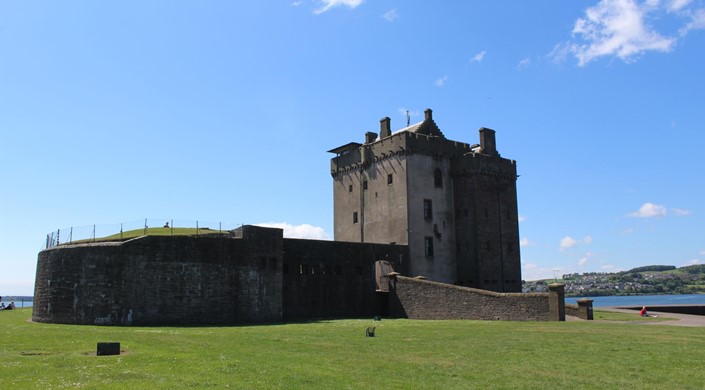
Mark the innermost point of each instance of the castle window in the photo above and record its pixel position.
(438, 178)
(390, 179)
(355, 217)
(350, 188)
(364, 185)
(427, 209)
(428, 246)
(316, 269)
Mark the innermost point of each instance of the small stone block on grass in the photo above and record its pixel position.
(105, 349)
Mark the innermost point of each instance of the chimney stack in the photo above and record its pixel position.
(488, 144)
(428, 114)
(370, 137)
(385, 127)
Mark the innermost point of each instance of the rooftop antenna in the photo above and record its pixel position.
(407, 118)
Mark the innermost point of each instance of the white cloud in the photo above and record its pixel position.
(298, 231)
(295, 3)
(532, 271)
(697, 22)
(391, 15)
(628, 230)
(441, 82)
(616, 28)
(583, 261)
(326, 5)
(522, 218)
(568, 242)
(524, 63)
(478, 57)
(608, 268)
(693, 262)
(530, 265)
(677, 5)
(412, 113)
(702, 253)
(680, 212)
(526, 242)
(649, 210)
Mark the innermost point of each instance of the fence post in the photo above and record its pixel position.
(71, 235)
(58, 231)
(172, 227)
(145, 226)
(120, 231)
(196, 228)
(93, 232)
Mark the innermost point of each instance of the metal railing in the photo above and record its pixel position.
(126, 230)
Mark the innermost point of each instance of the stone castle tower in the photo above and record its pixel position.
(453, 204)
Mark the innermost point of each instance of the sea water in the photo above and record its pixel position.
(644, 300)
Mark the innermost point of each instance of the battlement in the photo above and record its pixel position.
(424, 138)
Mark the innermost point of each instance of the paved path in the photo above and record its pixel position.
(678, 319)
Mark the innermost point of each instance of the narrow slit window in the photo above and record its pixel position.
(428, 246)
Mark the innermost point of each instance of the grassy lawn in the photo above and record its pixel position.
(336, 354)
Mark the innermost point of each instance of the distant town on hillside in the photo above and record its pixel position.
(652, 279)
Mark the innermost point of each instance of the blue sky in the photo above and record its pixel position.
(223, 111)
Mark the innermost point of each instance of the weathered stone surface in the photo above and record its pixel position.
(255, 276)
(453, 204)
(423, 299)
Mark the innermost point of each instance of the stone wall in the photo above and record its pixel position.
(424, 299)
(253, 276)
(334, 278)
(162, 280)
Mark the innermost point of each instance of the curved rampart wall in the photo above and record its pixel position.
(162, 280)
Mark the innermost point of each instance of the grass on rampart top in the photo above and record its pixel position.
(153, 231)
(336, 354)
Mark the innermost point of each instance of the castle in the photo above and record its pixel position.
(453, 204)
(425, 227)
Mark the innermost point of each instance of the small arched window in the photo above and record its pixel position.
(438, 178)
